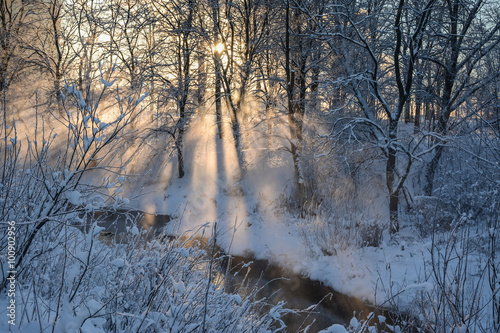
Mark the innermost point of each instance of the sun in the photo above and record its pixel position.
(219, 48)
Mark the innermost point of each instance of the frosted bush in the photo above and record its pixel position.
(72, 279)
(82, 283)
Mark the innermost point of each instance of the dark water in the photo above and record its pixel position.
(117, 222)
(325, 305)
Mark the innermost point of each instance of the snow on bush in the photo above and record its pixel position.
(70, 281)
(78, 283)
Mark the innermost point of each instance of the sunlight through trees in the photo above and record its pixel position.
(377, 114)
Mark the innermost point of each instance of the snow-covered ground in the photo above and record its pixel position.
(249, 210)
(254, 220)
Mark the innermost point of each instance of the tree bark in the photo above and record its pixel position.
(218, 74)
(391, 175)
(291, 112)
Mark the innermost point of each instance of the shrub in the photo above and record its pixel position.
(70, 281)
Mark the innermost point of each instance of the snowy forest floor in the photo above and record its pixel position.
(251, 218)
(444, 276)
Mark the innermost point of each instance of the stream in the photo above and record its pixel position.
(324, 305)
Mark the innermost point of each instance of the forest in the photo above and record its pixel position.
(155, 152)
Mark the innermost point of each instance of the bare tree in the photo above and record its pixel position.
(380, 75)
(52, 47)
(14, 18)
(178, 19)
(464, 34)
(242, 39)
(126, 26)
(87, 16)
(302, 50)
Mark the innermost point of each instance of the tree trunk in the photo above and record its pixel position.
(407, 113)
(179, 143)
(393, 212)
(202, 81)
(294, 124)
(57, 90)
(430, 172)
(269, 116)
(217, 60)
(180, 155)
(391, 180)
(235, 126)
(218, 105)
(418, 111)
